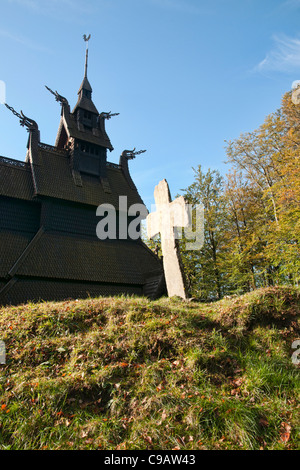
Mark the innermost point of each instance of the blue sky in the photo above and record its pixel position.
(185, 75)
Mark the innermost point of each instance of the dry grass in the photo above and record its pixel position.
(127, 373)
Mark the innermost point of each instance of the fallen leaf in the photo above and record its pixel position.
(89, 441)
(285, 432)
(238, 382)
(285, 436)
(121, 446)
(264, 422)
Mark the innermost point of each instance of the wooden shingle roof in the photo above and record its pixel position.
(16, 179)
(53, 178)
(67, 257)
(69, 122)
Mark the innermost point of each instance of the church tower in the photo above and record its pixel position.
(82, 131)
(49, 249)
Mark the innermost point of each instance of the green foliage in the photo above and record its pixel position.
(204, 269)
(252, 216)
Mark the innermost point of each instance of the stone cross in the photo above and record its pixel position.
(168, 216)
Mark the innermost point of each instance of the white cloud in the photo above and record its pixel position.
(284, 57)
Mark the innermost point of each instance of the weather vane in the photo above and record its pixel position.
(86, 40)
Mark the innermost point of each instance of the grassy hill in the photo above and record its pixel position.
(127, 373)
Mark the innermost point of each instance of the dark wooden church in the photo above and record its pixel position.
(49, 249)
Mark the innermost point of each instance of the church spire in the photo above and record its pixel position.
(86, 39)
(85, 91)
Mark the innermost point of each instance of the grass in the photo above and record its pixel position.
(128, 373)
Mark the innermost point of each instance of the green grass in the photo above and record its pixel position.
(127, 373)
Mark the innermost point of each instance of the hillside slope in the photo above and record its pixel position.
(127, 373)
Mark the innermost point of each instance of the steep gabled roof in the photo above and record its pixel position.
(72, 258)
(15, 244)
(85, 85)
(16, 179)
(53, 178)
(85, 104)
(83, 101)
(68, 124)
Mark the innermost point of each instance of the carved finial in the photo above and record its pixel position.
(24, 120)
(58, 97)
(108, 115)
(13, 111)
(86, 39)
(131, 154)
(123, 162)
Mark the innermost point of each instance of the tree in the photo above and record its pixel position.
(268, 160)
(251, 216)
(205, 267)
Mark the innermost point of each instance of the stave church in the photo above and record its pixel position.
(49, 249)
